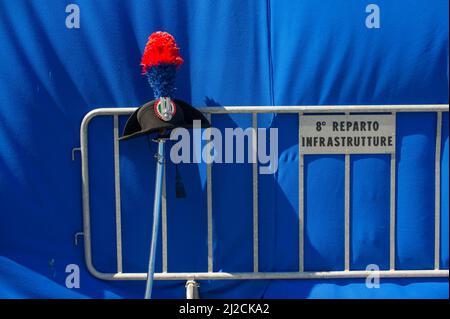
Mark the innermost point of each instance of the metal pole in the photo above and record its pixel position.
(156, 213)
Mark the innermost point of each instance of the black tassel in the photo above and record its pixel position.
(180, 191)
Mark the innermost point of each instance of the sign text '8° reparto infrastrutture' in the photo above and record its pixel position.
(347, 134)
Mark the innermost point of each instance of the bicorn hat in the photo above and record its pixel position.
(159, 63)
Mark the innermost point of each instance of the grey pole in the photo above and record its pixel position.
(156, 213)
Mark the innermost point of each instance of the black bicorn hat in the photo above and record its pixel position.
(159, 62)
(154, 118)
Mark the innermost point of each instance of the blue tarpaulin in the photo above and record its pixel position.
(236, 53)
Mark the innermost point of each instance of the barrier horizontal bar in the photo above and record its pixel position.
(292, 109)
(277, 275)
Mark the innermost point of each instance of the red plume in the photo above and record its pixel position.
(161, 48)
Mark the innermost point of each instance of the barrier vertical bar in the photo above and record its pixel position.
(209, 208)
(164, 220)
(392, 216)
(347, 208)
(347, 213)
(117, 193)
(301, 206)
(437, 192)
(255, 192)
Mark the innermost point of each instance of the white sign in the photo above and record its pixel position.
(347, 134)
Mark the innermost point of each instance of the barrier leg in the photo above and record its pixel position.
(192, 289)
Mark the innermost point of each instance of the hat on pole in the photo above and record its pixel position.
(159, 63)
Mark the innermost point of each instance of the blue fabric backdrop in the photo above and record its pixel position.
(237, 53)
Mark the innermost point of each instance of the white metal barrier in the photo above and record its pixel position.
(256, 274)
